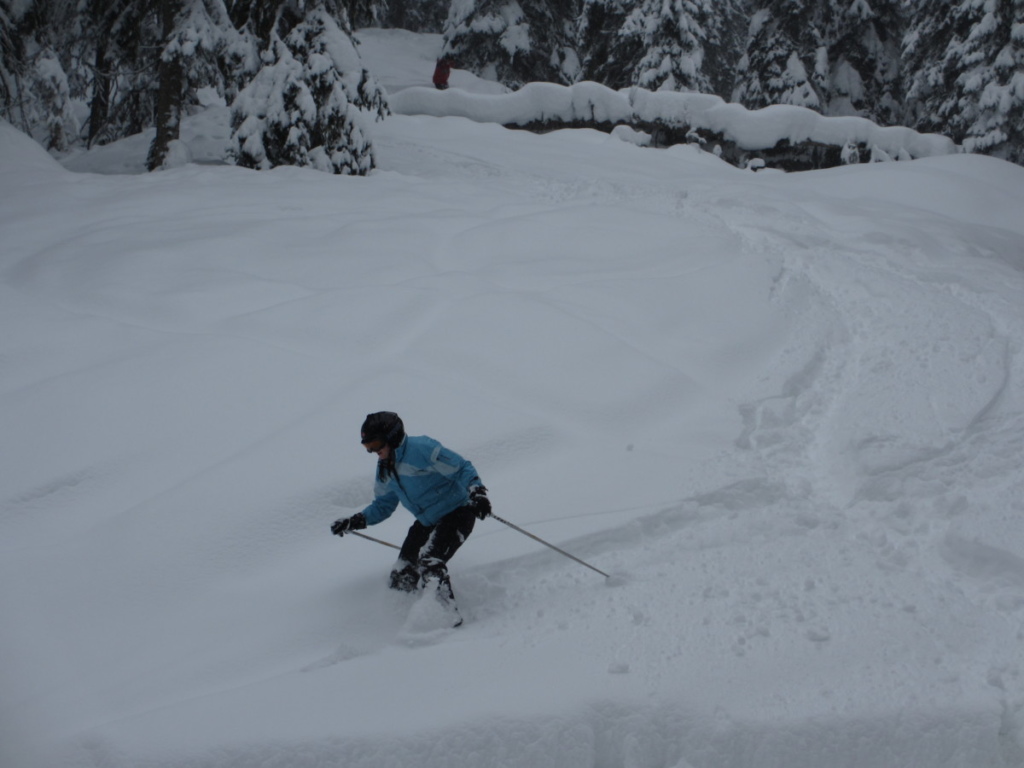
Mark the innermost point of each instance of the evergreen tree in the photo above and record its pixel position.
(302, 106)
(965, 73)
(172, 85)
(660, 44)
(607, 57)
(366, 13)
(514, 43)
(786, 60)
(416, 15)
(670, 35)
(12, 65)
(35, 93)
(864, 60)
(53, 117)
(116, 49)
(197, 35)
(97, 86)
(726, 33)
(839, 57)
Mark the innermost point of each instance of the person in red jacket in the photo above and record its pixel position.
(441, 72)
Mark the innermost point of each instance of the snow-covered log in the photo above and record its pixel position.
(782, 136)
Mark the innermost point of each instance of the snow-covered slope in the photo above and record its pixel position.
(786, 411)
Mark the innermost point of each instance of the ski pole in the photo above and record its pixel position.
(546, 544)
(379, 541)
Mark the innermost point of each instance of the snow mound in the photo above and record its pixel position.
(22, 157)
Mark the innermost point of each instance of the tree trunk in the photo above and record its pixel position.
(99, 107)
(170, 93)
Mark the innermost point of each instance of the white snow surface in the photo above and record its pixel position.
(786, 412)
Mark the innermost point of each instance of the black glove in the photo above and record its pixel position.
(479, 502)
(345, 524)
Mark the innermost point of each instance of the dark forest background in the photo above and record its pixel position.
(87, 72)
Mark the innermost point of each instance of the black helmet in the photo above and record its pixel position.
(383, 425)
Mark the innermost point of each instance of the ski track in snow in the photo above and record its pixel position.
(830, 414)
(832, 573)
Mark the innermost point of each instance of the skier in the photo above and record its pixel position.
(440, 488)
(441, 72)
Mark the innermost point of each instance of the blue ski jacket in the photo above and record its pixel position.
(429, 480)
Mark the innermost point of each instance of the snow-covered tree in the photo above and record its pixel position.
(116, 48)
(416, 15)
(514, 42)
(606, 57)
(965, 72)
(366, 13)
(55, 120)
(303, 106)
(725, 34)
(864, 60)
(786, 60)
(839, 57)
(660, 44)
(12, 56)
(35, 93)
(196, 35)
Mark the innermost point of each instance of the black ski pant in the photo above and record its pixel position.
(428, 548)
